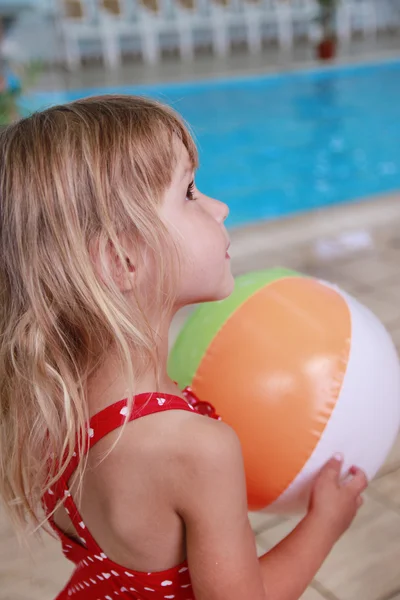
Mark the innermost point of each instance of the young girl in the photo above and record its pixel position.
(104, 236)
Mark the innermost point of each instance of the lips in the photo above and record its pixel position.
(227, 255)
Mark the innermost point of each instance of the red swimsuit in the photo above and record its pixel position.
(96, 577)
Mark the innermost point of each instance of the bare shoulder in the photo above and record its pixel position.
(189, 451)
(204, 456)
(191, 441)
(203, 440)
(159, 465)
(174, 454)
(183, 437)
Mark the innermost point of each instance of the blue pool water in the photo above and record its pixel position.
(281, 144)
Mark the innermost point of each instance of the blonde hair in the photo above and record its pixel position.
(70, 177)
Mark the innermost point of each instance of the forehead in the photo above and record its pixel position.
(184, 164)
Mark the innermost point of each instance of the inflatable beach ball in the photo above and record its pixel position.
(300, 370)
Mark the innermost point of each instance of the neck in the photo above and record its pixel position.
(164, 380)
(109, 383)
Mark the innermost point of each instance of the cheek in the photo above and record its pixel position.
(199, 239)
(202, 246)
(203, 264)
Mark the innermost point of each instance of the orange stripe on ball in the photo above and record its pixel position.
(279, 341)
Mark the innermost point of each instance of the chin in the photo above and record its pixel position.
(221, 290)
(203, 298)
(225, 289)
(226, 292)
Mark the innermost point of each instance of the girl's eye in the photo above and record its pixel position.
(190, 191)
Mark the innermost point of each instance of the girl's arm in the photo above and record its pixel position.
(210, 496)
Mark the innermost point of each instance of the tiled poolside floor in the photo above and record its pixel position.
(358, 247)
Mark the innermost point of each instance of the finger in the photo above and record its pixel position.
(357, 482)
(332, 469)
(349, 475)
(360, 501)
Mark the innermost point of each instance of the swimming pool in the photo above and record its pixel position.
(279, 144)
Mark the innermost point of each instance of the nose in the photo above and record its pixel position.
(225, 211)
(220, 210)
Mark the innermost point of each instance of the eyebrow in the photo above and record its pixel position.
(187, 171)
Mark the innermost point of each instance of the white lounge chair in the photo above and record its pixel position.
(78, 23)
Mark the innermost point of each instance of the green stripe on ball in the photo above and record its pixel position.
(206, 321)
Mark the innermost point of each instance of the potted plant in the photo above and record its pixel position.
(11, 83)
(12, 87)
(326, 49)
(9, 93)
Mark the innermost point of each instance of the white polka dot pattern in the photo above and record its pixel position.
(96, 577)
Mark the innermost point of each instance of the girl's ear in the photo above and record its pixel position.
(110, 265)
